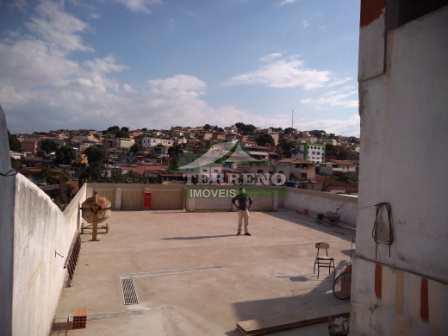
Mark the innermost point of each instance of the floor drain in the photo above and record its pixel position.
(129, 294)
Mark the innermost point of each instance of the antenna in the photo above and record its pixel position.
(292, 118)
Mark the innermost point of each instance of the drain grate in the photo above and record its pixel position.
(129, 294)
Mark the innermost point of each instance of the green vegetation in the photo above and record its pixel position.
(48, 146)
(14, 143)
(96, 156)
(65, 155)
(340, 153)
(245, 129)
(118, 132)
(264, 139)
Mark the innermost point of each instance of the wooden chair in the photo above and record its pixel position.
(323, 261)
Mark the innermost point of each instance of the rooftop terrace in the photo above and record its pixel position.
(193, 276)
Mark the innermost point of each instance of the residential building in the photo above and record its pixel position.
(207, 136)
(296, 170)
(299, 153)
(343, 166)
(125, 143)
(315, 153)
(275, 136)
(29, 144)
(78, 139)
(148, 142)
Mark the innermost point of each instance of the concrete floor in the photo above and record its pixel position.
(194, 277)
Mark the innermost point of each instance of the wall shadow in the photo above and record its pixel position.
(319, 300)
(200, 237)
(311, 222)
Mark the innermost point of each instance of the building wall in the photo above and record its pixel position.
(315, 153)
(148, 142)
(29, 146)
(320, 202)
(404, 123)
(6, 231)
(125, 143)
(129, 196)
(35, 237)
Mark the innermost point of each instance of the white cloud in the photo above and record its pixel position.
(305, 24)
(43, 87)
(270, 57)
(344, 96)
(28, 62)
(179, 85)
(282, 72)
(94, 16)
(287, 2)
(139, 5)
(57, 28)
(338, 82)
(105, 65)
(345, 126)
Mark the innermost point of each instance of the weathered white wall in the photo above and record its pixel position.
(6, 231)
(321, 202)
(42, 233)
(129, 196)
(404, 140)
(33, 235)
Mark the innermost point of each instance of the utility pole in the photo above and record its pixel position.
(292, 118)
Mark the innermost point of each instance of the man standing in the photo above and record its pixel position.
(243, 202)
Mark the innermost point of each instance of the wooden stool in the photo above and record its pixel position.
(323, 261)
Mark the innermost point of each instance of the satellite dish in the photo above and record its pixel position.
(95, 209)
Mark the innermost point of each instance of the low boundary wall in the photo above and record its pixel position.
(127, 196)
(321, 202)
(219, 198)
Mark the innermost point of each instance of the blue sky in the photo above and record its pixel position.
(160, 63)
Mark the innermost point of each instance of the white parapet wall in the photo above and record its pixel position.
(6, 230)
(321, 202)
(42, 239)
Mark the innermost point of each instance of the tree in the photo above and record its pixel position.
(124, 132)
(245, 129)
(113, 130)
(207, 127)
(264, 139)
(65, 155)
(340, 153)
(285, 147)
(174, 152)
(14, 143)
(48, 146)
(289, 130)
(135, 148)
(118, 132)
(318, 133)
(96, 156)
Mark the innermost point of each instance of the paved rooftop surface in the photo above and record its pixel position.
(193, 276)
